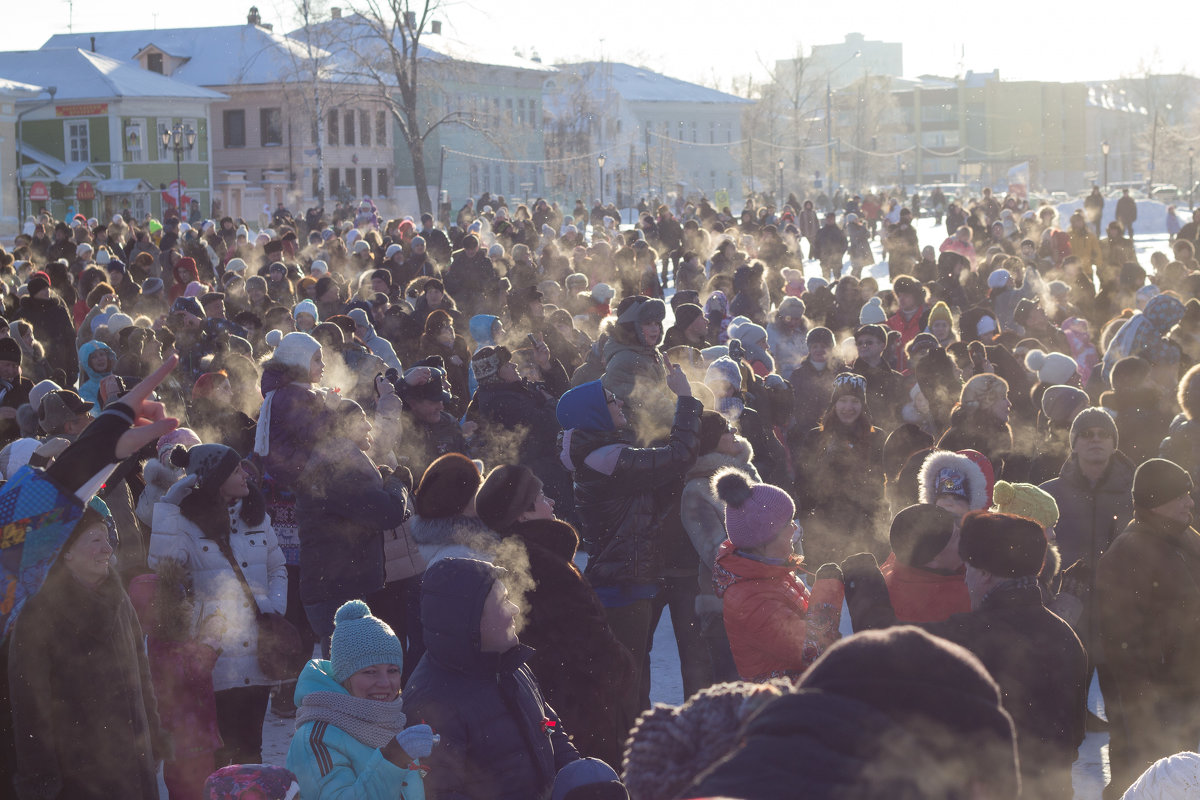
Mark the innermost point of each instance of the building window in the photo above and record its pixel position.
(364, 127)
(194, 153)
(333, 182)
(381, 128)
(382, 187)
(331, 131)
(270, 121)
(154, 62)
(316, 180)
(163, 126)
(521, 111)
(508, 110)
(77, 149)
(495, 112)
(366, 182)
(348, 133)
(135, 140)
(233, 122)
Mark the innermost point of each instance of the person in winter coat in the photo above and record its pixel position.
(924, 573)
(14, 390)
(350, 737)
(788, 335)
(690, 328)
(343, 506)
(626, 499)
(374, 342)
(585, 673)
(431, 430)
(213, 522)
(1149, 604)
(882, 715)
(980, 420)
(885, 386)
(1182, 444)
(703, 516)
(84, 714)
(634, 368)
(812, 381)
(214, 411)
(446, 524)
(839, 478)
(500, 739)
(1035, 657)
(159, 474)
(829, 246)
(439, 339)
(52, 325)
(1139, 407)
(293, 413)
(776, 628)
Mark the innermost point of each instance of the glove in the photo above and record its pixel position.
(180, 489)
(417, 741)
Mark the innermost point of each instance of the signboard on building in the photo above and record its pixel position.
(85, 191)
(81, 110)
(39, 192)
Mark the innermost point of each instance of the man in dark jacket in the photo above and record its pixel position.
(1036, 658)
(500, 738)
(1094, 504)
(14, 389)
(885, 386)
(434, 432)
(625, 496)
(471, 279)
(1127, 212)
(52, 325)
(1149, 623)
(830, 247)
(812, 381)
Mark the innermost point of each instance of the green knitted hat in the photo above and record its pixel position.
(361, 640)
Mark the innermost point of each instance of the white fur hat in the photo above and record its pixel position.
(947, 472)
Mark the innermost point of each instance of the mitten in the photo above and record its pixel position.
(417, 741)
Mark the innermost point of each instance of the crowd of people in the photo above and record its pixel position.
(470, 466)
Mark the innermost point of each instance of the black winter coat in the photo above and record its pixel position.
(1036, 658)
(53, 327)
(501, 740)
(84, 712)
(585, 672)
(625, 494)
(813, 389)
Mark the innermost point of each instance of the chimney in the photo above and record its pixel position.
(435, 27)
(335, 12)
(410, 19)
(93, 44)
(253, 17)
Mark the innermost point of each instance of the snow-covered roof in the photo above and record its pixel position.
(638, 85)
(434, 46)
(228, 55)
(17, 87)
(82, 75)
(1112, 98)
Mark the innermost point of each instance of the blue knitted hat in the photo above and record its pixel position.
(361, 640)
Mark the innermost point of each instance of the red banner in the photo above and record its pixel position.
(81, 110)
(85, 191)
(39, 192)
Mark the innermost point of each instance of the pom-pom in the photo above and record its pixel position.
(355, 609)
(732, 487)
(179, 456)
(1035, 360)
(1003, 493)
(274, 337)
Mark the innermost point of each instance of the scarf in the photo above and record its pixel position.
(371, 722)
(262, 433)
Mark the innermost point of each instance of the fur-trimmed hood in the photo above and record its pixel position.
(973, 476)
(445, 530)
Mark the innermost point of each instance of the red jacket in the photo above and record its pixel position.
(908, 329)
(776, 627)
(922, 596)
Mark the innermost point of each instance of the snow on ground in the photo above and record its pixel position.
(1091, 769)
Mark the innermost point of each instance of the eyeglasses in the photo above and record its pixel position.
(1095, 433)
(609, 397)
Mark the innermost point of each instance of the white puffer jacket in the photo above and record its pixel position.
(217, 588)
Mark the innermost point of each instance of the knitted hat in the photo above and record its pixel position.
(251, 780)
(712, 427)
(878, 331)
(940, 313)
(640, 310)
(212, 464)
(754, 513)
(983, 391)
(1158, 481)
(750, 334)
(180, 436)
(360, 640)
(999, 279)
(1051, 368)
(849, 384)
(1025, 500)
(447, 487)
(235, 265)
(1094, 418)
(686, 314)
(188, 305)
(819, 335)
(815, 283)
(37, 282)
(296, 350)
(306, 307)
(726, 370)
(1004, 545)
(10, 351)
(590, 779)
(872, 313)
(920, 532)
(508, 491)
(907, 284)
(946, 472)
(1060, 404)
(487, 362)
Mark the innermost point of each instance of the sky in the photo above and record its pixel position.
(701, 41)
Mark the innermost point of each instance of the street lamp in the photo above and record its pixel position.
(1191, 177)
(180, 139)
(781, 186)
(829, 119)
(600, 163)
(1104, 148)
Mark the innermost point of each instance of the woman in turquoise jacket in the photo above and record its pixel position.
(350, 739)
